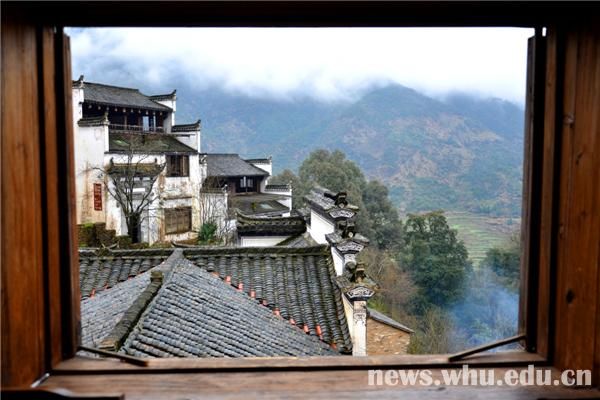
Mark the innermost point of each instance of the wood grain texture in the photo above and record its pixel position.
(294, 385)
(51, 220)
(70, 259)
(526, 202)
(579, 218)
(84, 365)
(547, 202)
(22, 256)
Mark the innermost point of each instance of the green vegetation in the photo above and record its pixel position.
(421, 266)
(378, 218)
(481, 233)
(207, 234)
(505, 263)
(437, 261)
(461, 154)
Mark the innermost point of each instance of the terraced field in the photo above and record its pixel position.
(480, 232)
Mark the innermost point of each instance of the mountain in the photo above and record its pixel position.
(462, 153)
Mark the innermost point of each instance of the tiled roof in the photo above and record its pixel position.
(223, 165)
(259, 160)
(148, 143)
(302, 240)
(251, 226)
(168, 96)
(101, 313)
(377, 316)
(193, 127)
(258, 204)
(285, 186)
(298, 282)
(120, 96)
(333, 206)
(103, 270)
(93, 121)
(197, 314)
(135, 169)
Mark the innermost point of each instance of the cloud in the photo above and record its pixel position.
(326, 63)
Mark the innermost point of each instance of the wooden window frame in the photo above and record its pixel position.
(177, 213)
(182, 162)
(60, 337)
(529, 305)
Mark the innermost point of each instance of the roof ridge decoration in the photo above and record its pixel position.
(267, 160)
(168, 96)
(333, 206)
(356, 284)
(79, 82)
(191, 127)
(344, 241)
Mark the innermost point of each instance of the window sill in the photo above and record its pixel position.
(290, 378)
(84, 365)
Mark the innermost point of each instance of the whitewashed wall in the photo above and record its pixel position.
(264, 241)
(89, 153)
(192, 139)
(170, 119)
(319, 227)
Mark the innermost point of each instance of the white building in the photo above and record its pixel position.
(120, 130)
(122, 134)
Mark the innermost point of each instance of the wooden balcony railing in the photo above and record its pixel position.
(119, 128)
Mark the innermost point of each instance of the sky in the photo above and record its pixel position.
(323, 63)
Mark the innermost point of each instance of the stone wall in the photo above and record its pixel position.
(382, 339)
(96, 235)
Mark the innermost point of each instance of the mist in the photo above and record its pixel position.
(327, 64)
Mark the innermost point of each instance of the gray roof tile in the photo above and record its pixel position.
(120, 96)
(223, 165)
(197, 314)
(103, 270)
(252, 226)
(299, 282)
(150, 143)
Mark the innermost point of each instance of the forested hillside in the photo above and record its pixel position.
(462, 153)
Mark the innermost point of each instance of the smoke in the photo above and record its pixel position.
(488, 311)
(323, 63)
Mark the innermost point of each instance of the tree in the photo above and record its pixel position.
(383, 216)
(505, 262)
(377, 219)
(213, 213)
(396, 288)
(437, 261)
(434, 335)
(298, 190)
(131, 183)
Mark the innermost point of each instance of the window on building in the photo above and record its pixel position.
(246, 183)
(178, 220)
(178, 166)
